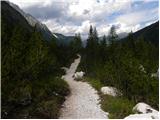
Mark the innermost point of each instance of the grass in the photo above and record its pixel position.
(118, 107)
(94, 82)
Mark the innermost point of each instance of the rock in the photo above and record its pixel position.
(78, 75)
(64, 68)
(143, 108)
(142, 69)
(62, 77)
(54, 93)
(143, 116)
(146, 112)
(110, 91)
(156, 75)
(6, 113)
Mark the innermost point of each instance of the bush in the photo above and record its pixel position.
(36, 99)
(48, 109)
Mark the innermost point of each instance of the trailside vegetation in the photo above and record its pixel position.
(127, 65)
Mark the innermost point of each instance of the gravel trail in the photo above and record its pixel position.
(83, 102)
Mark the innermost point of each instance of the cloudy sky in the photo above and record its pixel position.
(71, 16)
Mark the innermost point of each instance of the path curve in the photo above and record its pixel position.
(83, 102)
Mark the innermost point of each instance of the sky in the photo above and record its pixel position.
(72, 16)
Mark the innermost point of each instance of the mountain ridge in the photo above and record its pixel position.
(33, 22)
(149, 33)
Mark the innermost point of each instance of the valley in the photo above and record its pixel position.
(49, 72)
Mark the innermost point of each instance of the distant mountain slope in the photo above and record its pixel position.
(149, 33)
(62, 39)
(10, 18)
(32, 21)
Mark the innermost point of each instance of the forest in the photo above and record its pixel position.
(31, 74)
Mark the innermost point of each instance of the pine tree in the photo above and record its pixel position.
(90, 39)
(76, 44)
(113, 35)
(95, 36)
(102, 48)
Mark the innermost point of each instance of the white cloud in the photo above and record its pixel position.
(138, 17)
(27, 3)
(120, 28)
(56, 27)
(96, 10)
(150, 0)
(84, 27)
(72, 16)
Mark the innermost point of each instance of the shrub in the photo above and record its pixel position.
(48, 109)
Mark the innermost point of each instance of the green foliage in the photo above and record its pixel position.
(119, 65)
(113, 35)
(49, 95)
(48, 109)
(94, 82)
(117, 107)
(91, 49)
(76, 44)
(30, 70)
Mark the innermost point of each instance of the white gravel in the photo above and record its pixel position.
(83, 102)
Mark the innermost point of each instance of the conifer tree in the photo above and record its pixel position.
(113, 35)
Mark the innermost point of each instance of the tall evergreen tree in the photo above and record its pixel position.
(113, 35)
(102, 49)
(76, 44)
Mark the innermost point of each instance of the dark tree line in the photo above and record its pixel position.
(76, 44)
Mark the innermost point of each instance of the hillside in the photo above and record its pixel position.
(64, 40)
(29, 18)
(11, 18)
(149, 33)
